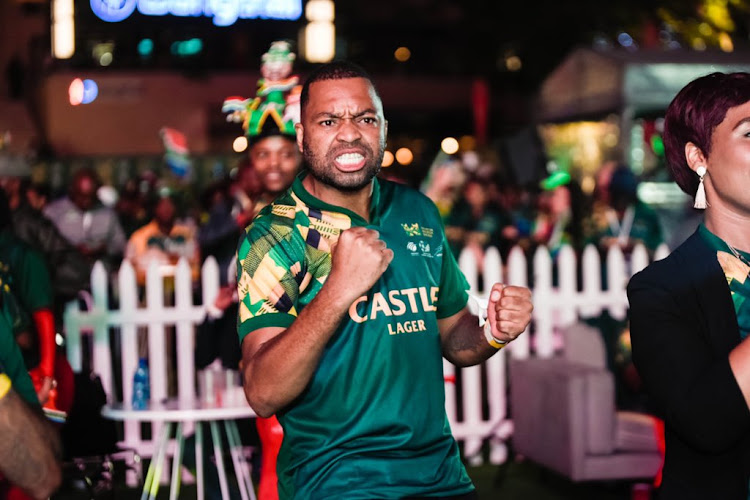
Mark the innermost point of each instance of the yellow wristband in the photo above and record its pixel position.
(5, 385)
(497, 344)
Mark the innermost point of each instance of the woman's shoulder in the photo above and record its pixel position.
(674, 268)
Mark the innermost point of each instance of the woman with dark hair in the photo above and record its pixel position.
(689, 315)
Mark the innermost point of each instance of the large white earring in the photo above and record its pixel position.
(700, 194)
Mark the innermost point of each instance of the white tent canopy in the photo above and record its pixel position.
(590, 84)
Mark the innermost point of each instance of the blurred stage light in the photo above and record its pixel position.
(402, 54)
(318, 37)
(82, 91)
(319, 42)
(320, 11)
(513, 63)
(103, 53)
(467, 143)
(449, 145)
(699, 44)
(187, 48)
(625, 40)
(75, 92)
(404, 156)
(725, 42)
(146, 47)
(387, 159)
(240, 144)
(63, 29)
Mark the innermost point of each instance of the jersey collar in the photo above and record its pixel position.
(299, 189)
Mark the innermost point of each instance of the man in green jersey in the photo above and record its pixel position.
(349, 299)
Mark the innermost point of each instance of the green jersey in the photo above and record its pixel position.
(371, 423)
(11, 361)
(24, 277)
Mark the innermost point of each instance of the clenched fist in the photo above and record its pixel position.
(509, 311)
(357, 261)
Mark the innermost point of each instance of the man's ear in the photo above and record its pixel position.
(694, 156)
(300, 131)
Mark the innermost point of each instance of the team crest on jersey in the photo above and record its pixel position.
(412, 229)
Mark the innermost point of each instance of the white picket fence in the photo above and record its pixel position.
(554, 307)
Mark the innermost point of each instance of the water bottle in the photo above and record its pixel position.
(141, 386)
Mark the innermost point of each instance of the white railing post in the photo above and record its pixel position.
(129, 344)
(102, 351)
(543, 303)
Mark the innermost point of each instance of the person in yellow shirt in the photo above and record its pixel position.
(165, 241)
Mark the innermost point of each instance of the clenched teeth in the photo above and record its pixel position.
(349, 158)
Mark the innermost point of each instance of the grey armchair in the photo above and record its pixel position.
(564, 415)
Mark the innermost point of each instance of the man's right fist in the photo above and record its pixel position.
(358, 259)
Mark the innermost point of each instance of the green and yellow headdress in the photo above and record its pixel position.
(275, 108)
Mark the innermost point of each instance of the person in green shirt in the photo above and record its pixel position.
(349, 299)
(29, 445)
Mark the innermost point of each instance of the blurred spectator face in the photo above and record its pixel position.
(475, 194)
(248, 181)
(165, 211)
(559, 200)
(623, 188)
(11, 185)
(36, 197)
(83, 192)
(276, 160)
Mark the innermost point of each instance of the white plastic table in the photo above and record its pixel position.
(176, 411)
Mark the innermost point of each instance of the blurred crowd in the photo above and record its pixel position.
(154, 219)
(480, 210)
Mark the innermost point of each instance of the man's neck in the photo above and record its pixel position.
(730, 226)
(356, 201)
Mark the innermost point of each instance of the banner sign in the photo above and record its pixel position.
(223, 12)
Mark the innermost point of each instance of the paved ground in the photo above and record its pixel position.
(512, 481)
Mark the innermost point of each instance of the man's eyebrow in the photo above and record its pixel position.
(328, 114)
(368, 111)
(744, 120)
(325, 114)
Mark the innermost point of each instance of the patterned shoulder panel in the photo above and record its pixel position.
(285, 254)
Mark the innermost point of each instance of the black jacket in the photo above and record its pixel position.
(683, 326)
(69, 270)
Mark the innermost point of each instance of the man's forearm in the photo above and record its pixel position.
(282, 367)
(465, 344)
(29, 448)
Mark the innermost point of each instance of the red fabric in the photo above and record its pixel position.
(480, 105)
(45, 327)
(662, 445)
(15, 493)
(271, 435)
(10, 492)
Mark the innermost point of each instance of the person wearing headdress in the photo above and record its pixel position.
(268, 121)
